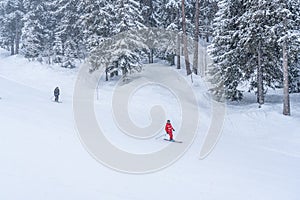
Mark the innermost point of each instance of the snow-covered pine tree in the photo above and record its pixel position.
(38, 31)
(128, 20)
(68, 44)
(208, 10)
(50, 22)
(286, 26)
(260, 32)
(3, 42)
(226, 74)
(245, 48)
(257, 40)
(96, 21)
(32, 37)
(123, 50)
(150, 10)
(167, 12)
(171, 21)
(159, 17)
(127, 16)
(293, 42)
(294, 64)
(11, 20)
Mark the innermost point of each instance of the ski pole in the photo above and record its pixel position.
(161, 136)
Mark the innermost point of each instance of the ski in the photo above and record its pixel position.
(176, 141)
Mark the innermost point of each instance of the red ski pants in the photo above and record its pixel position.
(171, 136)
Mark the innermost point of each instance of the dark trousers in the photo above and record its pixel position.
(56, 98)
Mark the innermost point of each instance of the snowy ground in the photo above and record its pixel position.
(41, 156)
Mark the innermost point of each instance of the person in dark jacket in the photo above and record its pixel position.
(56, 94)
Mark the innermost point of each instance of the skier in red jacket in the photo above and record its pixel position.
(169, 129)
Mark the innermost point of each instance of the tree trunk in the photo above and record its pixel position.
(151, 55)
(204, 67)
(172, 60)
(17, 40)
(178, 41)
(260, 88)
(12, 46)
(185, 48)
(106, 74)
(286, 96)
(178, 52)
(196, 39)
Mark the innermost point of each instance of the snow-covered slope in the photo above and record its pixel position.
(41, 156)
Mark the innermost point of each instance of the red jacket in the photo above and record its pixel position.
(169, 128)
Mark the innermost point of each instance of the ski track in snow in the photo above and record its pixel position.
(257, 157)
